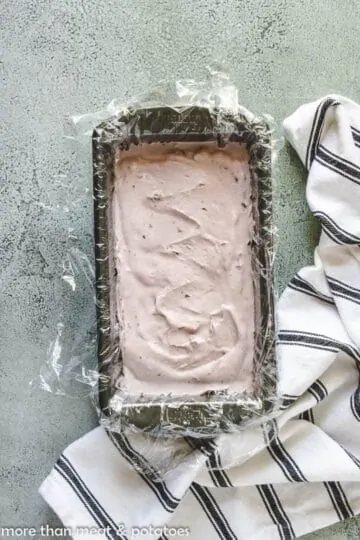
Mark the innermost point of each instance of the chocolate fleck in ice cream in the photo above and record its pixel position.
(182, 223)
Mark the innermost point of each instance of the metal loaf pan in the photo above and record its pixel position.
(212, 412)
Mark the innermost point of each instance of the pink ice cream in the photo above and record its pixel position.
(182, 227)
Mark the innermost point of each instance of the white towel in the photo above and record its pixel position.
(300, 471)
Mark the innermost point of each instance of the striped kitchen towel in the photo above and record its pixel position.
(300, 470)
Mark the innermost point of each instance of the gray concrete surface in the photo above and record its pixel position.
(60, 57)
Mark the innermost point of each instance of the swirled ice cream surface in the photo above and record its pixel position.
(182, 227)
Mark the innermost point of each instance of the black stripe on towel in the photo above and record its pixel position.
(276, 511)
(336, 164)
(288, 400)
(317, 128)
(345, 285)
(317, 341)
(218, 474)
(299, 284)
(343, 290)
(318, 390)
(168, 501)
(312, 135)
(352, 167)
(213, 512)
(215, 469)
(102, 518)
(350, 351)
(144, 464)
(355, 404)
(334, 489)
(335, 232)
(196, 444)
(140, 462)
(280, 455)
(307, 415)
(355, 130)
(305, 339)
(356, 136)
(329, 164)
(353, 458)
(339, 500)
(337, 495)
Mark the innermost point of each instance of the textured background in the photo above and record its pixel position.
(60, 57)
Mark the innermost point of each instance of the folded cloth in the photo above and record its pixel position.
(300, 470)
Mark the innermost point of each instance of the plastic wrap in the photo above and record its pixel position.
(197, 120)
